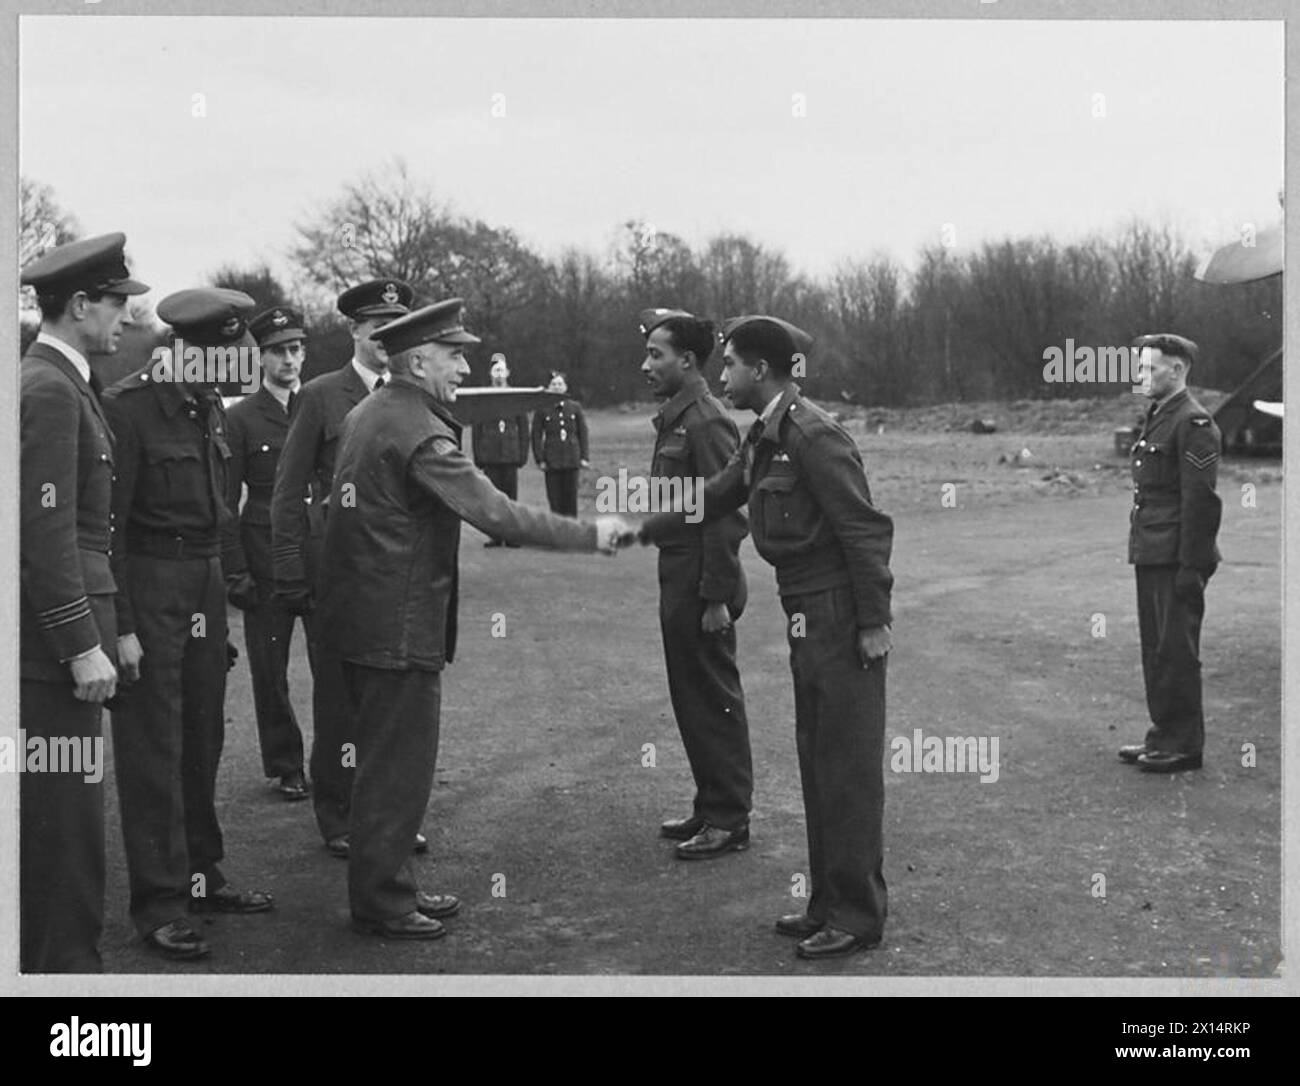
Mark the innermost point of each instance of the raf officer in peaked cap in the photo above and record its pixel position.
(69, 649)
(501, 445)
(812, 517)
(257, 428)
(305, 473)
(1172, 530)
(560, 447)
(388, 597)
(702, 589)
(172, 515)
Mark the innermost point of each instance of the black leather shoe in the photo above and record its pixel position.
(711, 842)
(798, 924)
(421, 843)
(178, 941)
(681, 829)
(833, 943)
(230, 900)
(1131, 754)
(293, 787)
(1158, 761)
(414, 925)
(338, 846)
(436, 906)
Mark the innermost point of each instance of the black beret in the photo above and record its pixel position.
(650, 319)
(376, 298)
(208, 316)
(442, 322)
(1168, 343)
(802, 341)
(93, 264)
(280, 324)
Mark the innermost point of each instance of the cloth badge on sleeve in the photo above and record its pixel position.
(1200, 463)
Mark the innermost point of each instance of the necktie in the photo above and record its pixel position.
(96, 386)
(379, 383)
(751, 444)
(288, 407)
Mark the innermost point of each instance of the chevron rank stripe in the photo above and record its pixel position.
(1200, 463)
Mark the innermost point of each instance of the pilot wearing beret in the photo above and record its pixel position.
(305, 473)
(256, 433)
(812, 517)
(501, 445)
(173, 518)
(1172, 531)
(560, 448)
(702, 589)
(69, 649)
(402, 486)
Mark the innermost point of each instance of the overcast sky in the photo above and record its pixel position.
(688, 124)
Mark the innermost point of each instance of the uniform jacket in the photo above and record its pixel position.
(401, 488)
(171, 459)
(560, 436)
(66, 530)
(695, 438)
(1176, 512)
(306, 468)
(502, 441)
(809, 507)
(257, 427)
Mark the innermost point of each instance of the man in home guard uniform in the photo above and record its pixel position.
(812, 518)
(388, 598)
(171, 510)
(501, 445)
(702, 590)
(560, 448)
(306, 468)
(257, 428)
(68, 641)
(1172, 530)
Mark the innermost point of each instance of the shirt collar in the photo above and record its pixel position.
(368, 377)
(69, 352)
(278, 394)
(776, 408)
(693, 389)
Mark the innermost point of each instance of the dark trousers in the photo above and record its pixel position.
(840, 734)
(334, 742)
(562, 491)
(167, 738)
(268, 630)
(1171, 661)
(61, 848)
(704, 685)
(397, 744)
(505, 477)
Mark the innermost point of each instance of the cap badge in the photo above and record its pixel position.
(390, 295)
(230, 326)
(279, 320)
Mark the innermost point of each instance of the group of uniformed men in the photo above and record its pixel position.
(132, 543)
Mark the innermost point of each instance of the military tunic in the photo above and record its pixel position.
(1173, 525)
(65, 609)
(812, 518)
(389, 602)
(305, 472)
(698, 565)
(500, 450)
(560, 442)
(172, 517)
(257, 429)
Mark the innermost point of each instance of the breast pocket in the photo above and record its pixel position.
(1157, 465)
(176, 473)
(262, 458)
(786, 507)
(672, 459)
